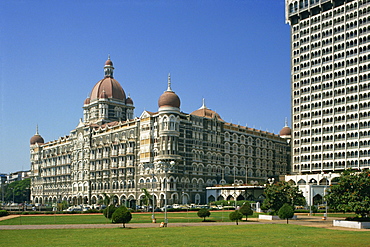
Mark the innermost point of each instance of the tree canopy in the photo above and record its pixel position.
(286, 212)
(109, 211)
(121, 215)
(246, 209)
(203, 213)
(235, 216)
(352, 193)
(20, 189)
(280, 193)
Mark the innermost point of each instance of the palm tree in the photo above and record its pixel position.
(147, 198)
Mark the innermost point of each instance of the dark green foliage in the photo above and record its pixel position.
(203, 213)
(246, 210)
(352, 193)
(235, 216)
(121, 215)
(20, 189)
(3, 213)
(108, 211)
(280, 193)
(286, 212)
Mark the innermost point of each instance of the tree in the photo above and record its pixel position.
(19, 190)
(203, 213)
(236, 216)
(286, 212)
(147, 199)
(121, 215)
(280, 193)
(246, 210)
(109, 211)
(352, 193)
(106, 200)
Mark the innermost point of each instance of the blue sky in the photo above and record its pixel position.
(235, 54)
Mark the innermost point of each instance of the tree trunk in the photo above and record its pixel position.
(123, 224)
(287, 220)
(237, 223)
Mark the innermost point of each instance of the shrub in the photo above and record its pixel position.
(3, 213)
(246, 210)
(286, 212)
(108, 212)
(203, 213)
(235, 216)
(121, 215)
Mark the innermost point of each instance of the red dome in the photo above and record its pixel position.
(87, 101)
(108, 88)
(207, 113)
(169, 98)
(129, 101)
(109, 62)
(286, 131)
(36, 139)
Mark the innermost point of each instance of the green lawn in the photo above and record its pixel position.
(100, 219)
(220, 216)
(242, 235)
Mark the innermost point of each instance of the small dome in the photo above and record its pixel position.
(87, 101)
(109, 62)
(207, 113)
(36, 139)
(129, 101)
(169, 98)
(286, 131)
(203, 111)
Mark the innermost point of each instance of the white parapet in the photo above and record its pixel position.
(273, 217)
(351, 224)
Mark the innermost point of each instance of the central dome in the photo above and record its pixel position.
(108, 87)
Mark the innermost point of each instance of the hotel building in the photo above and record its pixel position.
(330, 89)
(171, 154)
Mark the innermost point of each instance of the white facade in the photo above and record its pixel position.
(172, 154)
(330, 84)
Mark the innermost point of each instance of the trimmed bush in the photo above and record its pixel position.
(121, 215)
(203, 213)
(286, 212)
(3, 213)
(235, 216)
(108, 212)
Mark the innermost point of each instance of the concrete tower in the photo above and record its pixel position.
(330, 84)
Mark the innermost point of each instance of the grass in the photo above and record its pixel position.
(179, 217)
(100, 219)
(232, 235)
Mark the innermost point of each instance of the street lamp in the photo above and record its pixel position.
(271, 180)
(151, 167)
(165, 166)
(326, 176)
(13, 194)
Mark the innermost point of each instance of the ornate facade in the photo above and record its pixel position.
(169, 153)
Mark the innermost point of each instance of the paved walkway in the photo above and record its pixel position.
(312, 221)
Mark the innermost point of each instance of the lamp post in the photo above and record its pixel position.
(271, 180)
(326, 176)
(151, 167)
(13, 194)
(165, 166)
